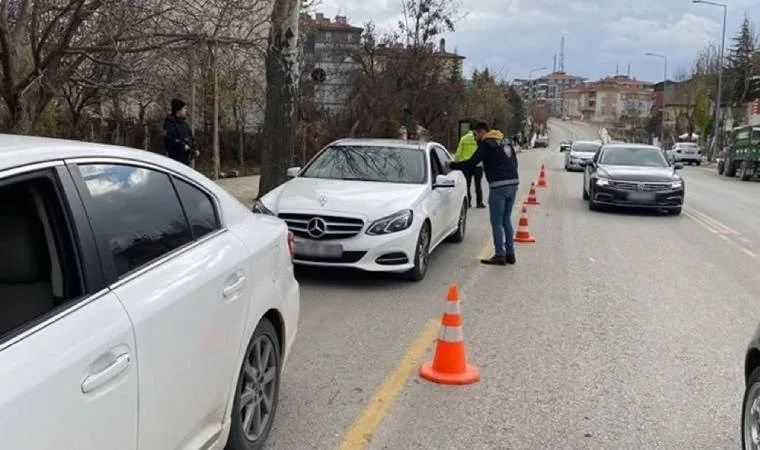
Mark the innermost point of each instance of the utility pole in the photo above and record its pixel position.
(719, 96)
(664, 85)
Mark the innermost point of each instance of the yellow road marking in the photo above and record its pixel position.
(700, 222)
(379, 405)
(714, 223)
(485, 251)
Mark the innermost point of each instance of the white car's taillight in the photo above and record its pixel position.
(291, 244)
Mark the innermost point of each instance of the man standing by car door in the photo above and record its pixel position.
(499, 160)
(467, 146)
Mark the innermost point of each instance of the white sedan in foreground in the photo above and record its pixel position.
(373, 204)
(141, 305)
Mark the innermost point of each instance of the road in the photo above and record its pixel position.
(612, 331)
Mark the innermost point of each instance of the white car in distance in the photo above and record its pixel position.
(141, 305)
(377, 205)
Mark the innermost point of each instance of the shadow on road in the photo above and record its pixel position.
(628, 211)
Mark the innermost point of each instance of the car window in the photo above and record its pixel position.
(39, 268)
(368, 163)
(756, 135)
(585, 147)
(633, 156)
(199, 208)
(441, 156)
(436, 167)
(442, 153)
(136, 212)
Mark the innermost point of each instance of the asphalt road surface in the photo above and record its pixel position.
(614, 330)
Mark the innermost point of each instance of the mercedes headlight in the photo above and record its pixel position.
(259, 208)
(676, 184)
(391, 224)
(602, 182)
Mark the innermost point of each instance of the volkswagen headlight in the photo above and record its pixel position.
(259, 208)
(602, 182)
(391, 224)
(676, 184)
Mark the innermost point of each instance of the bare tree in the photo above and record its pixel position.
(280, 118)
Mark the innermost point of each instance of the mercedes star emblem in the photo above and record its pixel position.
(641, 186)
(322, 200)
(316, 227)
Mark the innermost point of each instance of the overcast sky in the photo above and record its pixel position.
(514, 36)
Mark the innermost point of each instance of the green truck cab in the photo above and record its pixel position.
(743, 155)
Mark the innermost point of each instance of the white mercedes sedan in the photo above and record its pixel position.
(141, 305)
(373, 204)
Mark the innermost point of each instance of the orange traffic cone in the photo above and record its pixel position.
(523, 235)
(449, 364)
(542, 177)
(532, 200)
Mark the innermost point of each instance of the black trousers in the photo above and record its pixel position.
(477, 174)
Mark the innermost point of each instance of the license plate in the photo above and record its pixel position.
(641, 197)
(319, 249)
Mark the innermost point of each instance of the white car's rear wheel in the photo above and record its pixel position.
(421, 253)
(257, 391)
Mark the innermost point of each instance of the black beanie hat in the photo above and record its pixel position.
(177, 104)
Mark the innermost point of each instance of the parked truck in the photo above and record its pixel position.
(743, 155)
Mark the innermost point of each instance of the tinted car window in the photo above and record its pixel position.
(199, 209)
(633, 156)
(136, 211)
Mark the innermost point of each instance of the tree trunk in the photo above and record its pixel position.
(280, 114)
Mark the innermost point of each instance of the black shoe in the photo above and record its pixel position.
(495, 260)
(481, 206)
(510, 258)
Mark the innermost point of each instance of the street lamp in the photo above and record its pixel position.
(664, 83)
(718, 100)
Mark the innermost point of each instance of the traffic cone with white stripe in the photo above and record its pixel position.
(542, 177)
(449, 364)
(523, 234)
(532, 199)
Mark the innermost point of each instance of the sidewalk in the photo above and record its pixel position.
(244, 189)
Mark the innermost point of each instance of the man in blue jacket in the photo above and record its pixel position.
(500, 165)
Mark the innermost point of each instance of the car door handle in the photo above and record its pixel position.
(95, 380)
(232, 288)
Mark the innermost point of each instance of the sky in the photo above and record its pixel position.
(512, 37)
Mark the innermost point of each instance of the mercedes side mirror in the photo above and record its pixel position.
(293, 172)
(442, 181)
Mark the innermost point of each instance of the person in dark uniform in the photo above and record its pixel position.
(499, 160)
(178, 138)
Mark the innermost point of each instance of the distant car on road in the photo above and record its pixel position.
(565, 146)
(580, 152)
(633, 175)
(542, 141)
(686, 152)
(141, 305)
(378, 205)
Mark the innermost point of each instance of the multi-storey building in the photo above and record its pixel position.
(331, 58)
(610, 100)
(549, 89)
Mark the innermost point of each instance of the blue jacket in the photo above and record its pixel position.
(498, 157)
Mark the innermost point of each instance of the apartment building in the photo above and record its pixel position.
(610, 100)
(549, 89)
(331, 58)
